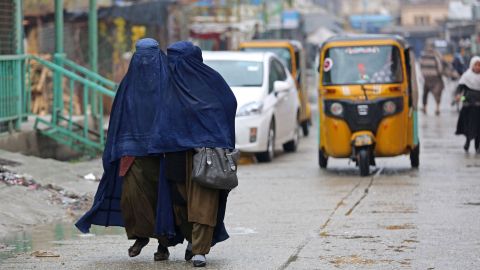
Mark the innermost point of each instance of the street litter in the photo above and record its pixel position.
(91, 177)
(44, 254)
(241, 231)
(11, 178)
(86, 235)
(58, 194)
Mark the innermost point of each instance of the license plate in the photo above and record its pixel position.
(362, 109)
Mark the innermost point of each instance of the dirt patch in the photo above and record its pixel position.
(10, 163)
(473, 166)
(410, 241)
(406, 211)
(355, 260)
(473, 203)
(324, 234)
(346, 236)
(400, 227)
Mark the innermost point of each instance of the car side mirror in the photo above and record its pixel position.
(281, 86)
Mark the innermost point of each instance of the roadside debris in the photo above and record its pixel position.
(7, 162)
(44, 254)
(91, 177)
(11, 178)
(58, 195)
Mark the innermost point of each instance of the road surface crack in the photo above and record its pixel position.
(365, 193)
(299, 248)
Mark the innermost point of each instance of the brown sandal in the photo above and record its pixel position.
(137, 247)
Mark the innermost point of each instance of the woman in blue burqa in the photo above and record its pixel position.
(147, 112)
(131, 192)
(208, 107)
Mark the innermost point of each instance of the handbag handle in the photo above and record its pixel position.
(209, 156)
(232, 164)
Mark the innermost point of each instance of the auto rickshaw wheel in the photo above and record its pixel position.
(363, 160)
(322, 159)
(415, 156)
(305, 128)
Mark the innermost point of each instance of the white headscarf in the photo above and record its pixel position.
(470, 78)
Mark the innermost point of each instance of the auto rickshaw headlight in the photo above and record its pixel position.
(336, 109)
(389, 107)
(363, 140)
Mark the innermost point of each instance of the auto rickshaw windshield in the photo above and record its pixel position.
(282, 53)
(362, 65)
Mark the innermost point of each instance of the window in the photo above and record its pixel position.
(277, 73)
(282, 75)
(239, 73)
(282, 53)
(362, 65)
(422, 20)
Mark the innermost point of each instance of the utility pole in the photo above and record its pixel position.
(93, 51)
(58, 59)
(93, 36)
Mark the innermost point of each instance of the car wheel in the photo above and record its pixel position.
(291, 146)
(268, 155)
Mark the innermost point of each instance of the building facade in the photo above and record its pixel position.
(424, 14)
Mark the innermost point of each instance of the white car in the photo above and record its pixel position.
(268, 106)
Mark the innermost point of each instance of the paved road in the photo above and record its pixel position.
(289, 214)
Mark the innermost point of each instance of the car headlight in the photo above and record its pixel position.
(336, 109)
(252, 108)
(389, 107)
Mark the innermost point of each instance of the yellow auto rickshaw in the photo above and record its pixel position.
(367, 100)
(292, 54)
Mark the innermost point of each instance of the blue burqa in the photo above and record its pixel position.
(198, 110)
(158, 110)
(133, 113)
(198, 95)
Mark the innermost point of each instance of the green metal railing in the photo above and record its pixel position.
(88, 135)
(83, 132)
(95, 100)
(11, 90)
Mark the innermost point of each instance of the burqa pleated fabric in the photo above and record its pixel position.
(199, 108)
(199, 111)
(132, 118)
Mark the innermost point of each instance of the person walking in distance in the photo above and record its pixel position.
(468, 91)
(432, 69)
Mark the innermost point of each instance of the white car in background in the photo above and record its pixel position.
(268, 106)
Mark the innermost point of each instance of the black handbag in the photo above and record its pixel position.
(216, 168)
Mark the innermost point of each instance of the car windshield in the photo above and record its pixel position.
(362, 64)
(282, 53)
(239, 73)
